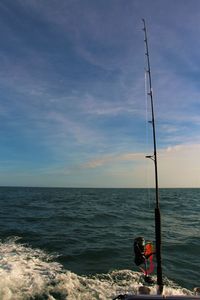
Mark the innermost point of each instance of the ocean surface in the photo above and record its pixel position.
(64, 243)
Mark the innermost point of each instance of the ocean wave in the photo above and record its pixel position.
(27, 273)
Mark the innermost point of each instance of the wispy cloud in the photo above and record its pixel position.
(113, 159)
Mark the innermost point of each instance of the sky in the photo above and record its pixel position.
(73, 107)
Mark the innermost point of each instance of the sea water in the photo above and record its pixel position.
(63, 243)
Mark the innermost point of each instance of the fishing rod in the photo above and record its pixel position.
(154, 158)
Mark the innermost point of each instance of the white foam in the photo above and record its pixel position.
(26, 273)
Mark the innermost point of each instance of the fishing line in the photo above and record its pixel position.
(147, 137)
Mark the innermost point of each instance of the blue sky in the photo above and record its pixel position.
(72, 95)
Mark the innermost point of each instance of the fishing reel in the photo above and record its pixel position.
(139, 250)
(144, 256)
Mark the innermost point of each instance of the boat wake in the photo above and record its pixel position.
(27, 273)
